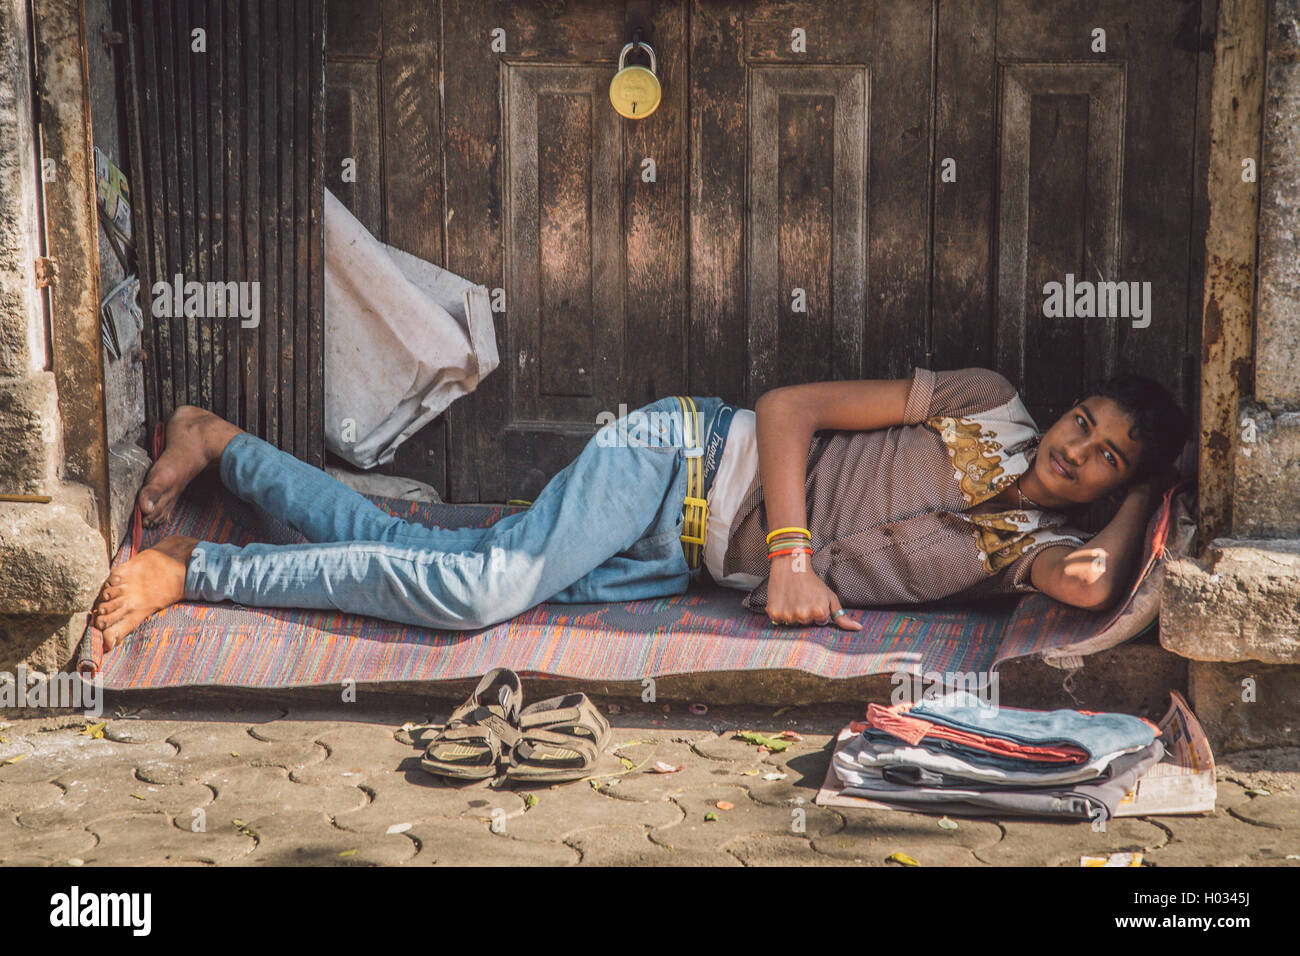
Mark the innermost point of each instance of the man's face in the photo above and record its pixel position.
(1088, 453)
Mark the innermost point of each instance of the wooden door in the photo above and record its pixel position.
(1070, 160)
(810, 137)
(576, 215)
(827, 191)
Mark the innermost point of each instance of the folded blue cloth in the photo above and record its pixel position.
(1096, 733)
(983, 759)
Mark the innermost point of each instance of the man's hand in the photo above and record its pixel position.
(801, 597)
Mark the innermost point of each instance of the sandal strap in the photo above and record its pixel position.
(569, 710)
(582, 749)
(479, 735)
(512, 700)
(490, 718)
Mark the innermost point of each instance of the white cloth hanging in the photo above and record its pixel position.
(404, 338)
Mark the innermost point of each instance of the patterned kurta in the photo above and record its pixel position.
(887, 508)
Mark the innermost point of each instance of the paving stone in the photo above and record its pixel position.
(313, 786)
(16, 798)
(1278, 811)
(89, 796)
(872, 836)
(491, 804)
(414, 796)
(726, 747)
(804, 773)
(67, 751)
(241, 791)
(301, 725)
(134, 839)
(14, 746)
(764, 849)
(746, 817)
(1271, 768)
(1219, 837)
(136, 731)
(1062, 843)
(18, 843)
(362, 746)
(215, 744)
(172, 770)
(643, 785)
(306, 838)
(574, 806)
(468, 842)
(630, 846)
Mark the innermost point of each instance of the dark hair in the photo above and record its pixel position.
(1159, 424)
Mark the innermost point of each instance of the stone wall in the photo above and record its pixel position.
(52, 557)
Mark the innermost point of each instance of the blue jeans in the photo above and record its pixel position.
(606, 528)
(1096, 733)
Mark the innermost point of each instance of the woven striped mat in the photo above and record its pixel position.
(705, 629)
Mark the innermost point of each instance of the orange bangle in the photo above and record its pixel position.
(777, 554)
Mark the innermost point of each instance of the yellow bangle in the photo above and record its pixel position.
(803, 531)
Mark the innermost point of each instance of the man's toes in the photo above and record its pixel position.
(111, 613)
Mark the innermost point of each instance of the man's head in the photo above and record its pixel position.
(1129, 428)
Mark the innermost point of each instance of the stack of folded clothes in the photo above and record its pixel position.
(959, 754)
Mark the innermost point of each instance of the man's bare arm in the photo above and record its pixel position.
(1094, 577)
(787, 417)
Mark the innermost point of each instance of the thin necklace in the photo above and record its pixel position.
(1024, 497)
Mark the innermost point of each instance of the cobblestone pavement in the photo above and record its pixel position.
(245, 785)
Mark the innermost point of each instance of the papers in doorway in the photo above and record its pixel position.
(404, 338)
(1182, 782)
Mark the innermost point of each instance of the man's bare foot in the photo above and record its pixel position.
(150, 581)
(195, 439)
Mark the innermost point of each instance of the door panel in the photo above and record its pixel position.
(1060, 157)
(825, 220)
(564, 162)
(807, 226)
(1090, 172)
(548, 202)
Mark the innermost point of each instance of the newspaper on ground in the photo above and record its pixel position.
(1182, 782)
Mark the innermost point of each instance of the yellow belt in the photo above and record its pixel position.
(695, 507)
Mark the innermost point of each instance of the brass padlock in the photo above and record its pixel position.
(634, 90)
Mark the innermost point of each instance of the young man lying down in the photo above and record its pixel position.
(825, 495)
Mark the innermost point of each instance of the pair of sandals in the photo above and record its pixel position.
(551, 741)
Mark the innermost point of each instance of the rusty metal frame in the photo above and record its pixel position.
(72, 238)
(1231, 240)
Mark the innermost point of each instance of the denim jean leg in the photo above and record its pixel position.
(319, 506)
(597, 507)
(655, 566)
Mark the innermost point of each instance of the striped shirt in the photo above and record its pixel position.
(887, 508)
